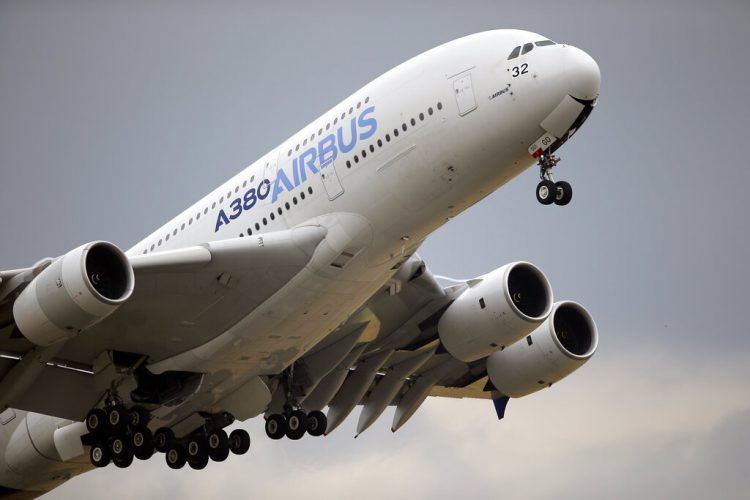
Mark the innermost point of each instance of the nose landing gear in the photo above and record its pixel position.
(548, 191)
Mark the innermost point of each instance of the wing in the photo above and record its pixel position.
(397, 359)
(181, 299)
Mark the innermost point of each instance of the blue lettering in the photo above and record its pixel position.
(363, 122)
(281, 178)
(250, 199)
(236, 207)
(311, 153)
(326, 147)
(295, 172)
(344, 147)
(220, 220)
(267, 184)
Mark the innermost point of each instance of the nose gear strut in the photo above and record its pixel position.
(548, 191)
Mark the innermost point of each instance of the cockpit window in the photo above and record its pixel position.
(514, 53)
(527, 48)
(544, 42)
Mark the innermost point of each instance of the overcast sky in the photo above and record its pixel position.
(116, 116)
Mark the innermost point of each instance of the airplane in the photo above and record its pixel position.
(295, 286)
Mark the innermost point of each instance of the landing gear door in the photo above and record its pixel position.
(331, 181)
(464, 93)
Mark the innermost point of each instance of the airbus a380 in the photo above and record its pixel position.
(295, 286)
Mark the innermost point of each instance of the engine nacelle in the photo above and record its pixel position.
(73, 293)
(561, 345)
(496, 310)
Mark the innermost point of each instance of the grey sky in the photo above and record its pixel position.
(115, 117)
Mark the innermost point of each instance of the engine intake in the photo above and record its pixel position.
(561, 345)
(496, 310)
(73, 293)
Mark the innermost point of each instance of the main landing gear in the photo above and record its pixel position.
(548, 191)
(200, 446)
(118, 435)
(294, 423)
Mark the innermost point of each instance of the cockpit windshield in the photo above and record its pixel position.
(528, 47)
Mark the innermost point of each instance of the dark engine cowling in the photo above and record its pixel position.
(73, 293)
(561, 345)
(496, 310)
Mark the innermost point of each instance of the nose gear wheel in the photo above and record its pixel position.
(548, 191)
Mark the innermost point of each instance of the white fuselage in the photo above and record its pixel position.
(380, 171)
(392, 163)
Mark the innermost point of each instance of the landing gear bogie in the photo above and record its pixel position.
(119, 435)
(548, 191)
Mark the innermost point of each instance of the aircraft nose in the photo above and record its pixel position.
(582, 74)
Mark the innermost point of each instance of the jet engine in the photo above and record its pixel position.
(73, 293)
(496, 310)
(561, 345)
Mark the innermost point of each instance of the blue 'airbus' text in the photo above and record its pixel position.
(309, 162)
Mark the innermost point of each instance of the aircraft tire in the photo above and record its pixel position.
(96, 421)
(138, 417)
(563, 193)
(296, 425)
(316, 423)
(545, 192)
(117, 417)
(143, 443)
(218, 445)
(99, 455)
(239, 441)
(176, 456)
(276, 426)
(164, 439)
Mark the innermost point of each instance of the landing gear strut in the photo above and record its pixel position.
(294, 422)
(548, 191)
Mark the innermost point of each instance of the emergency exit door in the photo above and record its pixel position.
(464, 94)
(331, 181)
